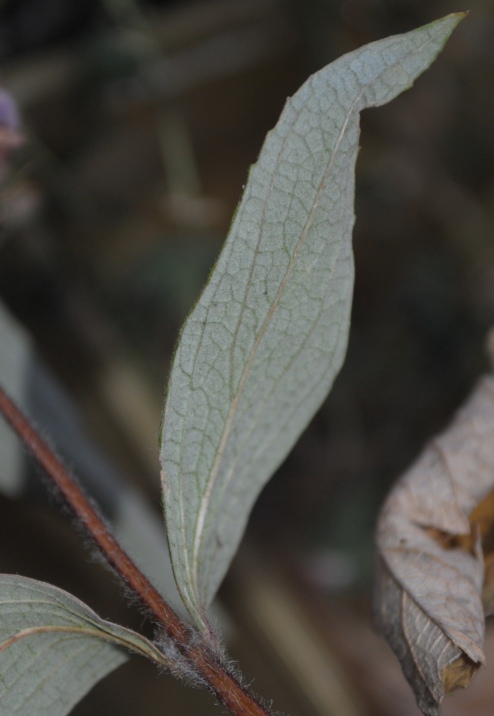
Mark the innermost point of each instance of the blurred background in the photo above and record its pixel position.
(140, 120)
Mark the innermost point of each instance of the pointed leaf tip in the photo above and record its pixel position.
(259, 352)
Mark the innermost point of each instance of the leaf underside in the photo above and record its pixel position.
(54, 649)
(259, 353)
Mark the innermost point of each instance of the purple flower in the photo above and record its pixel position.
(10, 135)
(9, 113)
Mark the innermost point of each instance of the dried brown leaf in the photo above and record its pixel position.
(435, 541)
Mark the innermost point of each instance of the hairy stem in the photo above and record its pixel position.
(202, 659)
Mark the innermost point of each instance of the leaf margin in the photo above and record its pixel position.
(119, 639)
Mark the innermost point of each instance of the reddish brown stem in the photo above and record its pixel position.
(225, 687)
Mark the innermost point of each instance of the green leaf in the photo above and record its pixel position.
(259, 353)
(53, 648)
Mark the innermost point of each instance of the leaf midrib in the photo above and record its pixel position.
(201, 515)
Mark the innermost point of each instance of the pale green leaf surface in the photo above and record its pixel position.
(54, 649)
(259, 352)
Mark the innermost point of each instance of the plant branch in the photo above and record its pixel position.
(201, 658)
